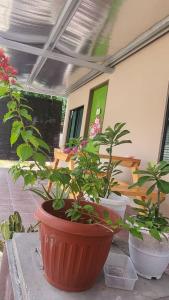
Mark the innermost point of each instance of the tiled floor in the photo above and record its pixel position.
(13, 197)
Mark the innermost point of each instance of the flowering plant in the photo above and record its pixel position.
(75, 145)
(34, 150)
(95, 128)
(7, 72)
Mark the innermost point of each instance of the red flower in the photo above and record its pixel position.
(7, 72)
(2, 52)
(10, 70)
(5, 77)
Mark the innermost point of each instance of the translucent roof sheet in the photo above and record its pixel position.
(57, 45)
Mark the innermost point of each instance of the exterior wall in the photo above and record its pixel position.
(137, 94)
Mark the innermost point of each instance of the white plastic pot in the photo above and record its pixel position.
(149, 256)
(117, 203)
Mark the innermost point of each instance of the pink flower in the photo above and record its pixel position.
(67, 150)
(13, 81)
(10, 70)
(5, 77)
(84, 143)
(75, 149)
(97, 121)
(4, 61)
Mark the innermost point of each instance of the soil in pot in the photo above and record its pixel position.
(73, 253)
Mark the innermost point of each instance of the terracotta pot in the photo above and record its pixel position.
(73, 253)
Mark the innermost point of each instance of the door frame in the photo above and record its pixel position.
(164, 127)
(89, 107)
(68, 129)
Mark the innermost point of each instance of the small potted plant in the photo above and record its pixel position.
(149, 229)
(111, 138)
(75, 234)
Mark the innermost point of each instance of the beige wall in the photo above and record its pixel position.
(137, 95)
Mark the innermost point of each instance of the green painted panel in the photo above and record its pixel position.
(97, 114)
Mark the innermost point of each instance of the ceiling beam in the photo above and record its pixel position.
(55, 56)
(39, 90)
(152, 34)
(67, 13)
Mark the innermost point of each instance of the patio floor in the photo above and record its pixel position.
(13, 197)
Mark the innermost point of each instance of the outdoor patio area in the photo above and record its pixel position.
(84, 150)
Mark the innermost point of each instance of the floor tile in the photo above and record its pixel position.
(25, 208)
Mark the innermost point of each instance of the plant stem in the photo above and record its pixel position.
(158, 203)
(108, 174)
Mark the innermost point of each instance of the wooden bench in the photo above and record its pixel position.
(132, 164)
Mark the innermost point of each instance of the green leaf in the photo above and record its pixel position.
(42, 144)
(11, 105)
(35, 129)
(26, 106)
(155, 234)
(16, 95)
(124, 142)
(34, 141)
(140, 202)
(26, 134)
(122, 133)
(15, 132)
(6, 233)
(39, 193)
(106, 214)
(29, 179)
(58, 204)
(89, 208)
(24, 113)
(9, 115)
(24, 151)
(3, 90)
(151, 189)
(136, 233)
(133, 185)
(40, 158)
(163, 186)
(143, 179)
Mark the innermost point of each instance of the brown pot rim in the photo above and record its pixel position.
(73, 227)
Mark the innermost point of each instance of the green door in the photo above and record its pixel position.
(96, 117)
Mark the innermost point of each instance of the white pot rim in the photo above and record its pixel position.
(145, 231)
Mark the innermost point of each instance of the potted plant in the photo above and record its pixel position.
(111, 138)
(71, 230)
(149, 229)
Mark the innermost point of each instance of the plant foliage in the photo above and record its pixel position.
(111, 138)
(148, 216)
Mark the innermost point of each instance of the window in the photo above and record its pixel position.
(75, 122)
(164, 155)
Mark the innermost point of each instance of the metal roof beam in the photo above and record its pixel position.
(68, 11)
(155, 32)
(45, 91)
(55, 56)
